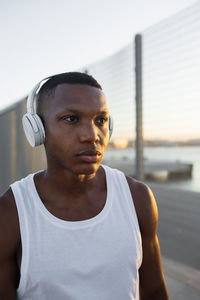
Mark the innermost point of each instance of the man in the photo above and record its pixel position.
(78, 230)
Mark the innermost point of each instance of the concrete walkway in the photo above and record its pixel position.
(183, 282)
(179, 224)
(178, 232)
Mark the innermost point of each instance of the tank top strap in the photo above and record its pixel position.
(25, 208)
(122, 198)
(121, 182)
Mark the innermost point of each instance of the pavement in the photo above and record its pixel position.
(178, 224)
(183, 282)
(178, 233)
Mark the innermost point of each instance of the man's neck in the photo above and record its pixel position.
(65, 183)
(73, 197)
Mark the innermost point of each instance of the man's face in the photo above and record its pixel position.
(77, 128)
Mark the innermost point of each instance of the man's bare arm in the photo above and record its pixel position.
(152, 282)
(9, 242)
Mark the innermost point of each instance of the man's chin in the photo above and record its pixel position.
(87, 169)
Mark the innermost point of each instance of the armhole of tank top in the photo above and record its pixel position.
(133, 213)
(24, 237)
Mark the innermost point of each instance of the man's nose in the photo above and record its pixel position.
(89, 133)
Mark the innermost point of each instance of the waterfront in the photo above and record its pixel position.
(188, 154)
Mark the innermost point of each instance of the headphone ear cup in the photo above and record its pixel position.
(34, 129)
(110, 126)
(41, 128)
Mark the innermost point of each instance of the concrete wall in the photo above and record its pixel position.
(17, 157)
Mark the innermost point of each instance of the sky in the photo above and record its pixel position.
(43, 37)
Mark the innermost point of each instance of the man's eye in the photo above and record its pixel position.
(70, 119)
(101, 121)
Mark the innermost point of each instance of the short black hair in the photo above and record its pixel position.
(48, 88)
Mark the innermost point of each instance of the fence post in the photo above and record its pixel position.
(138, 98)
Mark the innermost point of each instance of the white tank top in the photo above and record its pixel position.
(93, 259)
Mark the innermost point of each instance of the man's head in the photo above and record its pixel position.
(48, 89)
(74, 112)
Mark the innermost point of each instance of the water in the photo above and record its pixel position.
(184, 154)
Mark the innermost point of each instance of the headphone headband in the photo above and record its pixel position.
(32, 94)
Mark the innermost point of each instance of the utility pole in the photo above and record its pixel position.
(138, 87)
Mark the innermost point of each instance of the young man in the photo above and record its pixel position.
(78, 230)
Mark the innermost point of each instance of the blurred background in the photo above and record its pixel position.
(146, 56)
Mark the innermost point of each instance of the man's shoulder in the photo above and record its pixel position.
(144, 202)
(7, 201)
(139, 189)
(8, 209)
(9, 224)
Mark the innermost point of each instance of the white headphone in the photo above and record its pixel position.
(32, 124)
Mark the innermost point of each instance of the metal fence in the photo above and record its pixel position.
(116, 75)
(171, 72)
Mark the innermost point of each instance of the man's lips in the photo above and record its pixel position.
(89, 152)
(90, 156)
